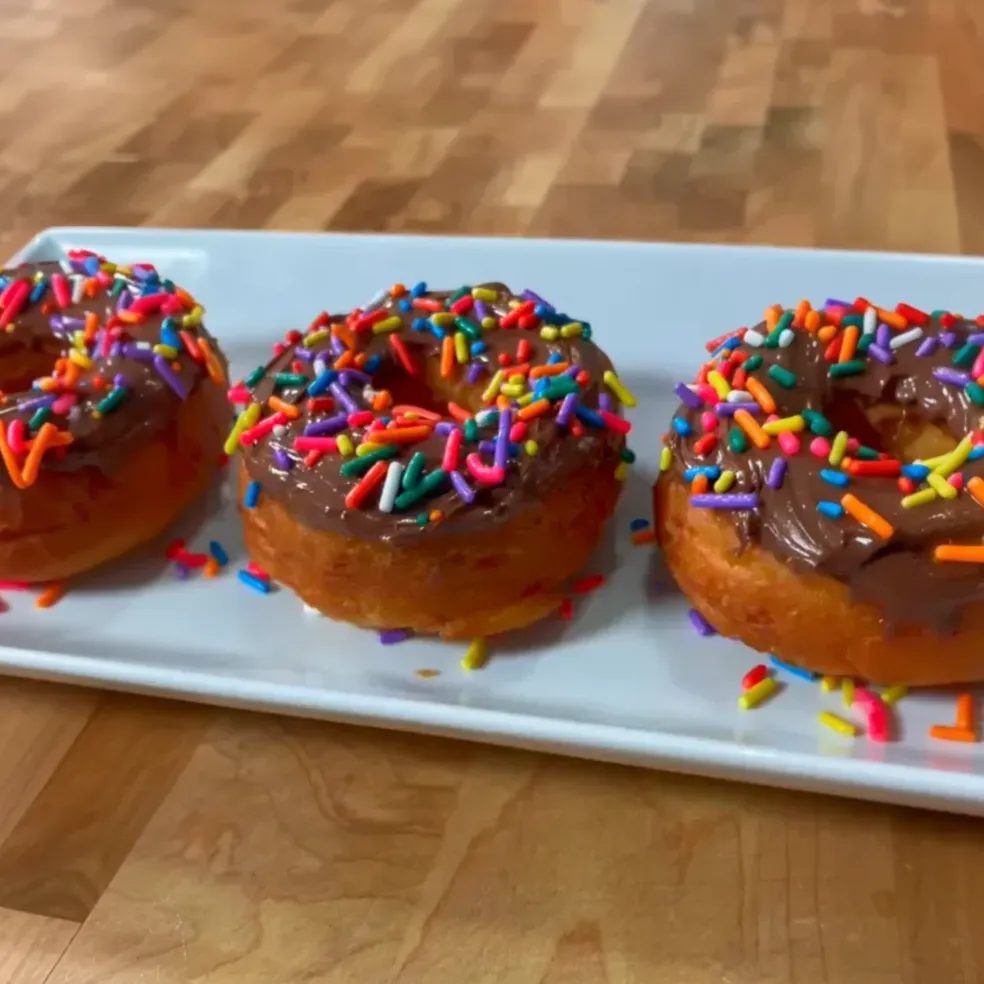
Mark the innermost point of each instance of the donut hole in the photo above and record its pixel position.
(23, 362)
(427, 390)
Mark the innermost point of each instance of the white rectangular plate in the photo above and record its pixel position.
(628, 679)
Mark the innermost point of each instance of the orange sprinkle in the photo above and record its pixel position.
(699, 485)
(959, 554)
(91, 325)
(850, 343)
(211, 567)
(642, 537)
(51, 595)
(421, 413)
(186, 299)
(812, 321)
(287, 409)
(827, 333)
(947, 733)
(750, 426)
(459, 413)
(535, 409)
(10, 459)
(502, 401)
(131, 317)
(383, 400)
(896, 320)
(40, 444)
(447, 356)
(215, 370)
(520, 370)
(760, 394)
(866, 516)
(346, 336)
(538, 372)
(976, 488)
(802, 310)
(772, 315)
(435, 515)
(402, 435)
(361, 358)
(965, 712)
(397, 290)
(344, 360)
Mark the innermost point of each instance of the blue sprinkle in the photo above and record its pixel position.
(795, 671)
(977, 451)
(436, 330)
(252, 495)
(834, 477)
(681, 426)
(91, 265)
(639, 524)
(417, 289)
(169, 338)
(323, 381)
(554, 358)
(596, 420)
(916, 472)
(727, 346)
(405, 305)
(39, 288)
(419, 324)
(713, 473)
(832, 510)
(372, 364)
(700, 624)
(256, 583)
(216, 550)
(477, 348)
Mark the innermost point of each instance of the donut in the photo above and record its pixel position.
(821, 495)
(112, 416)
(438, 462)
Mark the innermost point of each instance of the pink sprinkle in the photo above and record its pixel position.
(64, 403)
(956, 480)
(772, 417)
(517, 432)
(853, 444)
(16, 586)
(820, 447)
(789, 442)
(708, 394)
(978, 368)
(708, 421)
(360, 418)
(320, 444)
(254, 568)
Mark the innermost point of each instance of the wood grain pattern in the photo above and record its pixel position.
(141, 840)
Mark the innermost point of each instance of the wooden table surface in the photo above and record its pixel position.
(143, 840)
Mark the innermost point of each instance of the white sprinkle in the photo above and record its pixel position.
(870, 320)
(483, 416)
(146, 346)
(391, 486)
(320, 365)
(912, 335)
(78, 289)
(66, 266)
(279, 430)
(739, 396)
(753, 338)
(786, 337)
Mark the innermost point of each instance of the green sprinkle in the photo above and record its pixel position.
(40, 416)
(975, 392)
(471, 430)
(852, 319)
(864, 343)
(627, 455)
(938, 313)
(737, 440)
(818, 423)
(170, 323)
(112, 400)
(751, 364)
(465, 326)
(853, 368)
(423, 519)
(559, 386)
(867, 454)
(411, 476)
(255, 376)
(356, 466)
(290, 379)
(965, 355)
(782, 376)
(458, 295)
(585, 331)
(168, 285)
(429, 485)
(117, 287)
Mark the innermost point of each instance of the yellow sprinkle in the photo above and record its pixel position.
(80, 358)
(488, 322)
(837, 448)
(621, 471)
(525, 400)
(531, 448)
(894, 694)
(492, 390)
(244, 421)
(721, 386)
(618, 388)
(193, 318)
(956, 459)
(318, 336)
(754, 696)
(168, 351)
(387, 325)
(513, 389)
(933, 462)
(549, 334)
(571, 330)
(829, 684)
(442, 318)
(476, 656)
(939, 484)
(461, 347)
(838, 724)
(724, 482)
(665, 459)
(920, 498)
(78, 339)
(367, 447)
(107, 267)
(483, 294)
(344, 443)
(773, 427)
(514, 303)
(125, 270)
(847, 691)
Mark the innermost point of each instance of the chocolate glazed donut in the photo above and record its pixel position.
(822, 495)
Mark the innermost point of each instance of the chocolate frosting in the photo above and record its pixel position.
(315, 495)
(124, 393)
(928, 382)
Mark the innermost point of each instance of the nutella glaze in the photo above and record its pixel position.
(397, 341)
(106, 354)
(927, 365)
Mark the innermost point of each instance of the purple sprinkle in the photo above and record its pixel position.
(73, 323)
(475, 371)
(304, 354)
(881, 354)
(349, 376)
(282, 459)
(566, 410)
(572, 372)
(502, 439)
(883, 334)
(337, 345)
(140, 271)
(927, 347)
(777, 474)
(343, 398)
(481, 310)
(703, 627)
(948, 338)
(688, 397)
(41, 401)
(976, 339)
(56, 322)
(725, 501)
(169, 376)
(140, 354)
(486, 447)
(463, 489)
(729, 409)
(119, 379)
(529, 295)
(444, 428)
(948, 375)
(604, 402)
(328, 426)
(833, 302)
(389, 637)
(181, 572)
(116, 350)
(125, 300)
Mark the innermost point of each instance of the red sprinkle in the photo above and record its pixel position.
(587, 584)
(886, 468)
(254, 568)
(755, 675)
(912, 315)
(566, 610)
(706, 444)
(906, 485)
